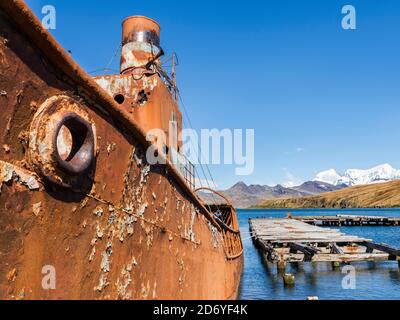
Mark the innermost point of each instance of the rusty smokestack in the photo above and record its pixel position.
(140, 42)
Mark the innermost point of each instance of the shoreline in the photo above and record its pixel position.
(315, 209)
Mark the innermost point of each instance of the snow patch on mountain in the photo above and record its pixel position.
(328, 176)
(355, 177)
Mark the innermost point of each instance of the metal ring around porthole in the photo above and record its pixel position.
(62, 143)
(81, 155)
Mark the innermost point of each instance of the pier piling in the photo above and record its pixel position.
(281, 265)
(289, 280)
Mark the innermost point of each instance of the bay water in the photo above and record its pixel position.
(373, 280)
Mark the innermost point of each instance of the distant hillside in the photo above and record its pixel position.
(244, 196)
(382, 195)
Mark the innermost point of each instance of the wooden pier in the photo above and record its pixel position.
(291, 240)
(350, 220)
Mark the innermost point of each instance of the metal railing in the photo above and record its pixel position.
(226, 217)
(189, 174)
(184, 167)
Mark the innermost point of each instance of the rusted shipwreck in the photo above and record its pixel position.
(79, 201)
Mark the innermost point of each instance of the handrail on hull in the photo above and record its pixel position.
(232, 239)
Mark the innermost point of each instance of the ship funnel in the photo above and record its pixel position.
(140, 43)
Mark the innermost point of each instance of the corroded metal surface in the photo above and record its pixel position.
(63, 143)
(10, 173)
(136, 231)
(226, 216)
(140, 89)
(140, 29)
(147, 100)
(140, 42)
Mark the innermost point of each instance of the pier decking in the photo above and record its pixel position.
(350, 220)
(291, 240)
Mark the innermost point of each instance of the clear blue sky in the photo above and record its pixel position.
(318, 96)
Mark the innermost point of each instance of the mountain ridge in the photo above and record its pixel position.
(354, 177)
(245, 196)
(383, 195)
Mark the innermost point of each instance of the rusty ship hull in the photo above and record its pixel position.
(106, 222)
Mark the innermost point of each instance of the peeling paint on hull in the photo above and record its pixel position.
(114, 239)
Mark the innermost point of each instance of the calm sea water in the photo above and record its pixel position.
(374, 280)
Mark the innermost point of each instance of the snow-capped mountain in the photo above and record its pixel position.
(328, 176)
(355, 177)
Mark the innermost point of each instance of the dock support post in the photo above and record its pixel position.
(289, 280)
(281, 266)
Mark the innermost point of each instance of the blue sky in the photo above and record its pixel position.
(318, 96)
